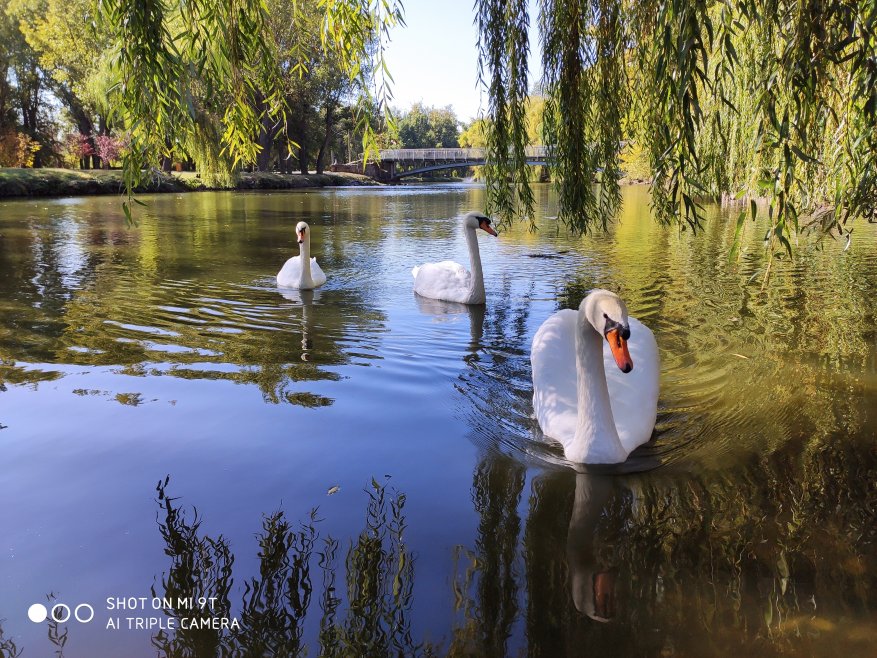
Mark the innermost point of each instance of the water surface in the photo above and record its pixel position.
(171, 420)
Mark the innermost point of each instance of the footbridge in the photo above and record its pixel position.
(396, 164)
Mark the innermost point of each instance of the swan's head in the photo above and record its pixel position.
(301, 230)
(594, 593)
(476, 220)
(608, 315)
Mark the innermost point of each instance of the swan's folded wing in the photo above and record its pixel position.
(553, 360)
(634, 396)
(289, 275)
(317, 274)
(445, 280)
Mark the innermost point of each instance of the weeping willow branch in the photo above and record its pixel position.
(359, 31)
(503, 53)
(194, 69)
(737, 98)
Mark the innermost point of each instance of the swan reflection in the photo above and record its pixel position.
(443, 311)
(592, 579)
(305, 298)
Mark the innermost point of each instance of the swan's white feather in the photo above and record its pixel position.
(447, 280)
(633, 396)
(289, 275)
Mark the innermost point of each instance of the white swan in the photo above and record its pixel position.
(599, 412)
(450, 281)
(301, 271)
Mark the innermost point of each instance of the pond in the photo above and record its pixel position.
(356, 471)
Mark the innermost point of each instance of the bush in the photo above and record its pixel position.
(17, 149)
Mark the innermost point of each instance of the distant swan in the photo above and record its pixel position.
(450, 281)
(598, 412)
(301, 271)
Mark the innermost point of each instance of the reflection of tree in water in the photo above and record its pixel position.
(379, 572)
(778, 557)
(496, 490)
(8, 648)
(84, 290)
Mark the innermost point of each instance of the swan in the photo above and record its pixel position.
(450, 281)
(599, 413)
(301, 271)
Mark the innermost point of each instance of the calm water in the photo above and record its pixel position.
(355, 471)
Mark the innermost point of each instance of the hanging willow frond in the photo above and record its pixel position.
(167, 50)
(502, 55)
(586, 88)
(164, 50)
(739, 98)
(359, 31)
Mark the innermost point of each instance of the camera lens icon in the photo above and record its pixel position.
(61, 613)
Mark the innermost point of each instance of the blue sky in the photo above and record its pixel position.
(434, 58)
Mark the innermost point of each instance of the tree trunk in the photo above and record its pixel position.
(330, 121)
(80, 117)
(303, 150)
(5, 94)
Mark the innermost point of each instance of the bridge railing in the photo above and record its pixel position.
(448, 154)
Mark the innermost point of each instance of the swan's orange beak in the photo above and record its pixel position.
(485, 226)
(301, 237)
(604, 595)
(618, 345)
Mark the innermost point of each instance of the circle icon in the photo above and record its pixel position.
(82, 606)
(56, 616)
(37, 613)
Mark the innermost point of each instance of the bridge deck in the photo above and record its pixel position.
(451, 154)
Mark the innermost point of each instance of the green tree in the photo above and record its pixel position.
(316, 85)
(167, 52)
(756, 97)
(72, 59)
(474, 135)
(429, 127)
(23, 87)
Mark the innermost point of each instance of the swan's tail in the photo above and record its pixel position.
(415, 270)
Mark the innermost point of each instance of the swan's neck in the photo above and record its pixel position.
(477, 292)
(305, 251)
(596, 439)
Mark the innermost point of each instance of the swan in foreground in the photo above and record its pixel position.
(450, 281)
(301, 271)
(590, 399)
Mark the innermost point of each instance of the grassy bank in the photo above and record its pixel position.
(77, 182)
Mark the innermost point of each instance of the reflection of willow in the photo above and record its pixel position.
(496, 490)
(764, 560)
(379, 575)
(776, 557)
(8, 648)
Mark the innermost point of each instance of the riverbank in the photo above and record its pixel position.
(80, 182)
